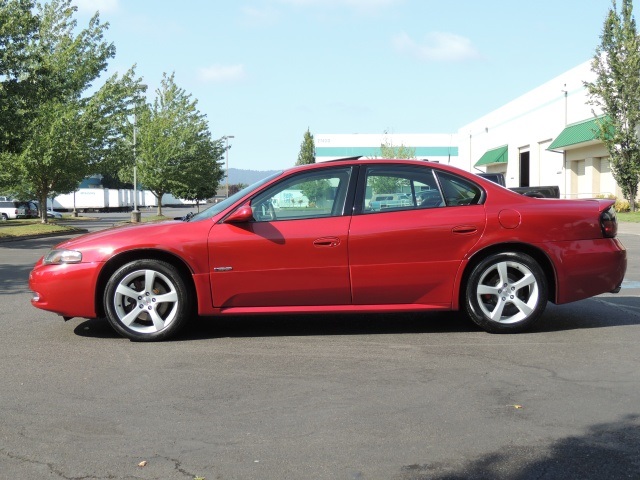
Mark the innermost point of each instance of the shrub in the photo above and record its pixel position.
(622, 206)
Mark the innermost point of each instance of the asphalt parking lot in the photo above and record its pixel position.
(325, 397)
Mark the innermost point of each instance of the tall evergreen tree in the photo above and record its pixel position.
(616, 91)
(307, 150)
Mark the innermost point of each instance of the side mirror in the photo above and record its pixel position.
(243, 214)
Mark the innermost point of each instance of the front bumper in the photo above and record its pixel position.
(68, 289)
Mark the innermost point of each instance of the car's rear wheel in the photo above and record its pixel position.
(5, 217)
(147, 300)
(506, 293)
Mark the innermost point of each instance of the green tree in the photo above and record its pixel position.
(616, 91)
(201, 174)
(236, 187)
(175, 152)
(307, 150)
(388, 150)
(65, 133)
(316, 191)
(18, 29)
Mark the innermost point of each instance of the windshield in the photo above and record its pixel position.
(227, 202)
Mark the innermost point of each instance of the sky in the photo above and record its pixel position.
(265, 71)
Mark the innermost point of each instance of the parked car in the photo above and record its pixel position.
(53, 214)
(10, 209)
(497, 256)
(32, 209)
(389, 200)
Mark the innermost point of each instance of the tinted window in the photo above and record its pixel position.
(306, 195)
(459, 191)
(400, 187)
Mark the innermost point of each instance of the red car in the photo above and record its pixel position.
(307, 240)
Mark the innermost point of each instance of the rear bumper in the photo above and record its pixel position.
(588, 267)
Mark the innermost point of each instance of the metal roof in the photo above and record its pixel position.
(577, 133)
(496, 155)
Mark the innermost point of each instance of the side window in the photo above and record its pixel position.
(400, 187)
(459, 191)
(311, 194)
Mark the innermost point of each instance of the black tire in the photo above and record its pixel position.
(147, 300)
(506, 293)
(5, 217)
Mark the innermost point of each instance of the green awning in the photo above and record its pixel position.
(576, 133)
(497, 155)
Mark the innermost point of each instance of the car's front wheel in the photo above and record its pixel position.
(147, 300)
(506, 293)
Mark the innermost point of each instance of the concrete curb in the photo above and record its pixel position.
(44, 235)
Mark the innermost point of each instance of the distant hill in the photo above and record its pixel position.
(237, 175)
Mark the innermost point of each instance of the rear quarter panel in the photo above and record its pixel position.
(567, 232)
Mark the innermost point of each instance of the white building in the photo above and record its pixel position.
(545, 137)
(434, 147)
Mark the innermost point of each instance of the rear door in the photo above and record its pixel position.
(410, 254)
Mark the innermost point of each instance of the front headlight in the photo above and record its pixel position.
(56, 257)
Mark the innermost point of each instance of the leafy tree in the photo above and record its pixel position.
(201, 175)
(307, 150)
(316, 190)
(175, 152)
(388, 150)
(387, 184)
(64, 132)
(18, 29)
(236, 187)
(616, 91)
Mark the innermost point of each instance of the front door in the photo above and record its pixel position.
(294, 252)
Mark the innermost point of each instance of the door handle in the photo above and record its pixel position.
(326, 242)
(465, 229)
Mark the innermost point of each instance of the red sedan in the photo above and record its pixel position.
(309, 240)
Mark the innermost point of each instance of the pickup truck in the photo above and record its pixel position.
(537, 192)
(389, 200)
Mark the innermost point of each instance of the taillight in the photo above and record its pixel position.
(609, 222)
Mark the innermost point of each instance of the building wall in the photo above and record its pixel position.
(441, 148)
(529, 124)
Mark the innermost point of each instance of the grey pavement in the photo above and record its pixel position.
(629, 228)
(354, 397)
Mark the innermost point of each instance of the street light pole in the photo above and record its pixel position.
(135, 214)
(226, 138)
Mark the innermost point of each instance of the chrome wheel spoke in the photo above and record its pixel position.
(522, 307)
(496, 314)
(525, 281)
(127, 292)
(167, 297)
(488, 290)
(149, 279)
(502, 269)
(130, 317)
(158, 321)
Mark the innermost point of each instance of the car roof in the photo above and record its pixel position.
(372, 161)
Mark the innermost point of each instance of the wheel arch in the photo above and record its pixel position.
(123, 258)
(537, 254)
